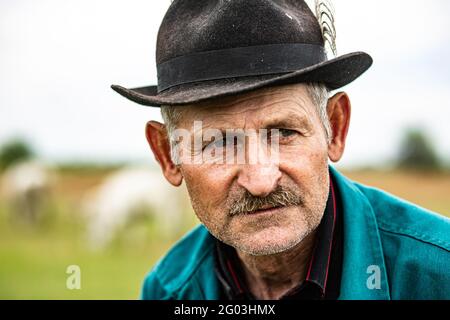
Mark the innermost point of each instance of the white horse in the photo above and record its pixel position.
(25, 187)
(125, 192)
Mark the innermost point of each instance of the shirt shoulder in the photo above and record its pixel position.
(176, 271)
(416, 247)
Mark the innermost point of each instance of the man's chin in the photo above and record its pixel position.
(268, 242)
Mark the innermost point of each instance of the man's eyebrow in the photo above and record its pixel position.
(291, 120)
(283, 120)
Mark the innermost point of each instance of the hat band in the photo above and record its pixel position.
(238, 62)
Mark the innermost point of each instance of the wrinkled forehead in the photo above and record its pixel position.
(289, 101)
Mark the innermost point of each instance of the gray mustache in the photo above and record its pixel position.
(280, 197)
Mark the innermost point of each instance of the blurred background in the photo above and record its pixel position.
(79, 185)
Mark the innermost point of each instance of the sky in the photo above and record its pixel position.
(59, 58)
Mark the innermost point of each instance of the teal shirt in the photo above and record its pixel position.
(392, 250)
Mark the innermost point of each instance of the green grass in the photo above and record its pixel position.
(34, 259)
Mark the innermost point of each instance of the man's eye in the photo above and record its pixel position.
(285, 133)
(214, 144)
(227, 142)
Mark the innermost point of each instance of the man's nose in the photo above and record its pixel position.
(259, 179)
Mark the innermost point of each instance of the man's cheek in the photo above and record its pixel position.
(206, 192)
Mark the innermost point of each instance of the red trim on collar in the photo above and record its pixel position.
(332, 233)
(235, 279)
(308, 275)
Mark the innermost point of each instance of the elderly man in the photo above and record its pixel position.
(250, 125)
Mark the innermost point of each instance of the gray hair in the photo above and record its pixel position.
(318, 92)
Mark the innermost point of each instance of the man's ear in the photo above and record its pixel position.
(158, 140)
(339, 112)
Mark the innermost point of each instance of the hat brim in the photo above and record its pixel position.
(335, 73)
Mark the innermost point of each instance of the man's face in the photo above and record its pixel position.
(270, 206)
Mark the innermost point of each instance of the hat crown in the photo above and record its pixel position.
(204, 25)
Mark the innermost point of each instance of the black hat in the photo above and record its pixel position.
(213, 48)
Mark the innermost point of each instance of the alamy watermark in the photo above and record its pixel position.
(73, 281)
(374, 280)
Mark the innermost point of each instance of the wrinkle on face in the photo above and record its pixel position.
(286, 107)
(302, 165)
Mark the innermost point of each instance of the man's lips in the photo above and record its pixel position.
(265, 210)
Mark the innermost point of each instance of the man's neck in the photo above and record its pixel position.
(270, 277)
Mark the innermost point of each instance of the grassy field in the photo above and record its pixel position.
(34, 259)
